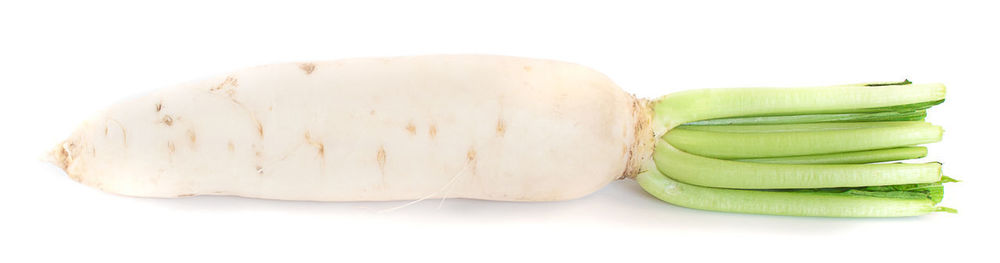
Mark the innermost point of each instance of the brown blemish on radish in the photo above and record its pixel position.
(470, 159)
(527, 68)
(307, 67)
(260, 169)
(192, 136)
(471, 155)
(171, 148)
(159, 106)
(318, 144)
(501, 128)
(168, 120)
(185, 195)
(433, 131)
(231, 146)
(230, 81)
(411, 128)
(105, 130)
(380, 158)
(260, 128)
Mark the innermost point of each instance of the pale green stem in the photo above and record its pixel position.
(779, 203)
(704, 171)
(873, 156)
(805, 159)
(762, 141)
(705, 104)
(914, 115)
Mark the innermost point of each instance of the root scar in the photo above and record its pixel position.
(192, 136)
(501, 127)
(230, 81)
(318, 144)
(411, 128)
(471, 155)
(380, 158)
(307, 67)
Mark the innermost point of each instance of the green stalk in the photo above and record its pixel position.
(873, 156)
(915, 115)
(704, 171)
(782, 203)
(800, 127)
(698, 105)
(797, 151)
(761, 141)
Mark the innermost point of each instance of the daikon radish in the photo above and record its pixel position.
(516, 129)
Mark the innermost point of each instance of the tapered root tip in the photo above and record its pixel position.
(58, 156)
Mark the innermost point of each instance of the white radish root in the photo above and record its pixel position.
(405, 128)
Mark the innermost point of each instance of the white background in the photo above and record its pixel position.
(62, 60)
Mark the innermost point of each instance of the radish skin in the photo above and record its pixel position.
(481, 127)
